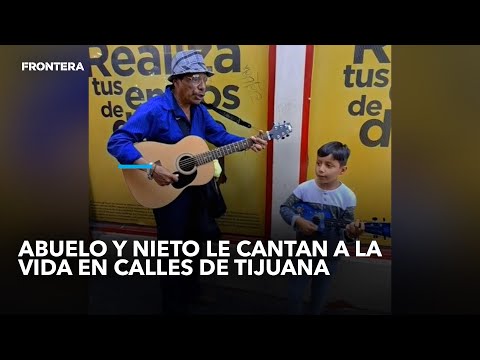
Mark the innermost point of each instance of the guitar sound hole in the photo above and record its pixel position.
(186, 163)
(316, 220)
(183, 180)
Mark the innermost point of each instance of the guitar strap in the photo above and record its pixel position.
(184, 125)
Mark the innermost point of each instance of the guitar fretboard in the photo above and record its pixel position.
(222, 151)
(340, 223)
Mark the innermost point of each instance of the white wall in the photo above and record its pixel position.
(289, 74)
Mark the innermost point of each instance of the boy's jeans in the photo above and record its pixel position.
(320, 284)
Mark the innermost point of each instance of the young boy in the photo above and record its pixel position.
(333, 200)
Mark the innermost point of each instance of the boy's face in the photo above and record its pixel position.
(328, 169)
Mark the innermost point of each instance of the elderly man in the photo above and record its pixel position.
(168, 118)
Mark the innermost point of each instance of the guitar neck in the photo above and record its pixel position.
(222, 151)
(380, 229)
(339, 223)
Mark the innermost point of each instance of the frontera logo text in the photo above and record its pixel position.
(52, 66)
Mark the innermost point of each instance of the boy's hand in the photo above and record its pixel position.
(355, 229)
(306, 227)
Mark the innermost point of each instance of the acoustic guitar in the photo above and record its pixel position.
(190, 158)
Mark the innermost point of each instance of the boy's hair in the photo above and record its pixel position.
(339, 151)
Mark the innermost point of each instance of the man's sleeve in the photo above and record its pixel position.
(137, 128)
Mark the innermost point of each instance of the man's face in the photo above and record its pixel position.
(192, 88)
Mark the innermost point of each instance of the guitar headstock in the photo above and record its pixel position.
(378, 228)
(280, 131)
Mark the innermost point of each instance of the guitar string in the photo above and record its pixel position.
(300, 212)
(343, 222)
(192, 161)
(204, 156)
(234, 147)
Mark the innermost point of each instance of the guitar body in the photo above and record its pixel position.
(316, 216)
(177, 158)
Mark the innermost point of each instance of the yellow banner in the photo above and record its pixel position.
(123, 77)
(350, 102)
